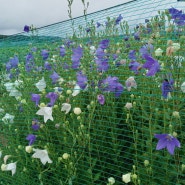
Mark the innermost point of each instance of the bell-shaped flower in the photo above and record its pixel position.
(66, 107)
(41, 84)
(42, 155)
(101, 99)
(46, 112)
(31, 138)
(130, 82)
(45, 54)
(81, 80)
(8, 118)
(76, 90)
(9, 167)
(35, 98)
(55, 77)
(53, 97)
(167, 141)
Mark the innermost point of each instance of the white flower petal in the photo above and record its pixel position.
(66, 107)
(42, 155)
(46, 112)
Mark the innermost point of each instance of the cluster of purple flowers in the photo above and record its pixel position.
(101, 57)
(77, 55)
(177, 16)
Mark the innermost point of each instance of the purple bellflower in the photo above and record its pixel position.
(101, 99)
(132, 55)
(54, 77)
(134, 66)
(167, 141)
(104, 44)
(31, 138)
(151, 64)
(167, 87)
(102, 65)
(35, 98)
(53, 97)
(45, 54)
(62, 51)
(81, 80)
(111, 84)
(35, 126)
(146, 49)
(100, 53)
(178, 16)
(77, 54)
(98, 24)
(118, 19)
(26, 28)
(47, 66)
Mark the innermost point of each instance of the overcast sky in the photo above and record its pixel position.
(14, 14)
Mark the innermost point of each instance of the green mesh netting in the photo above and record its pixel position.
(87, 103)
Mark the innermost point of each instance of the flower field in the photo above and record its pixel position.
(103, 107)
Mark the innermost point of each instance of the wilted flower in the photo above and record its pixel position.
(167, 141)
(101, 99)
(46, 112)
(126, 178)
(6, 157)
(66, 107)
(41, 84)
(42, 155)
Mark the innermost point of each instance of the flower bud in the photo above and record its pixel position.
(111, 180)
(65, 156)
(28, 149)
(77, 111)
(158, 52)
(146, 163)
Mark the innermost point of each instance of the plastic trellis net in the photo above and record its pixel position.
(96, 100)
